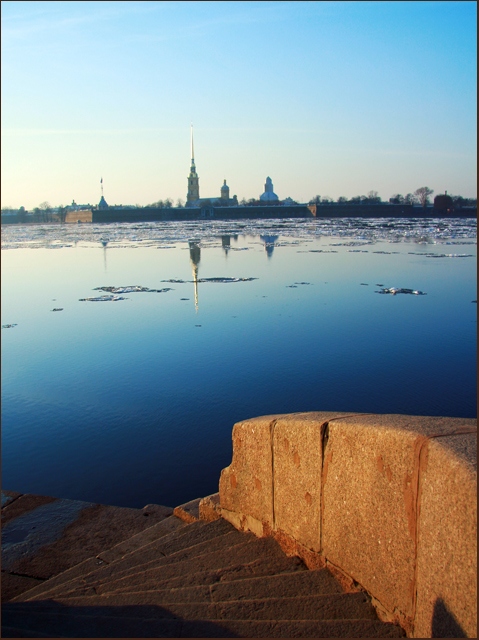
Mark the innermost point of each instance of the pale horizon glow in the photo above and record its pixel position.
(328, 98)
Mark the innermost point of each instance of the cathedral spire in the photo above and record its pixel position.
(192, 146)
(193, 194)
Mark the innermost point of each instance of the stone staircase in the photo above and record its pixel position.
(193, 579)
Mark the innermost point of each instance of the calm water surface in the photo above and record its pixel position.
(133, 401)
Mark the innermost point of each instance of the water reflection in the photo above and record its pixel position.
(269, 244)
(195, 257)
(134, 381)
(104, 242)
(226, 243)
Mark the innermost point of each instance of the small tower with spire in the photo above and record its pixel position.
(102, 204)
(225, 192)
(193, 194)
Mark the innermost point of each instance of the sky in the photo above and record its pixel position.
(328, 98)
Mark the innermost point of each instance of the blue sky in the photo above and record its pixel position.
(329, 98)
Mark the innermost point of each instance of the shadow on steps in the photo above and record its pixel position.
(53, 619)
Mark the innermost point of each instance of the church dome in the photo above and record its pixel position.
(268, 195)
(102, 204)
(225, 191)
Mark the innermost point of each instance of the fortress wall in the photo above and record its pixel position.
(385, 501)
(82, 216)
(151, 214)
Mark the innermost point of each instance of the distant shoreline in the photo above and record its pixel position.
(301, 212)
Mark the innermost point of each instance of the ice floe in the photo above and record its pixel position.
(395, 290)
(346, 232)
(176, 281)
(102, 299)
(132, 289)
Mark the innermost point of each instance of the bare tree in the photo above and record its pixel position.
(159, 204)
(373, 197)
(422, 194)
(22, 214)
(410, 198)
(342, 199)
(315, 200)
(62, 213)
(180, 203)
(46, 211)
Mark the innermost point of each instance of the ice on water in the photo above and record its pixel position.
(164, 235)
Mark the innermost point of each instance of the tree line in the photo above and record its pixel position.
(421, 196)
(46, 213)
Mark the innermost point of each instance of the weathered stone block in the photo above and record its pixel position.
(188, 512)
(447, 539)
(297, 452)
(209, 508)
(369, 510)
(246, 486)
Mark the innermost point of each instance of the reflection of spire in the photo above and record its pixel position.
(104, 242)
(195, 256)
(226, 243)
(269, 243)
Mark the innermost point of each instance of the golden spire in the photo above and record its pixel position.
(192, 146)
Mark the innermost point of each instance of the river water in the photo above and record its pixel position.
(132, 399)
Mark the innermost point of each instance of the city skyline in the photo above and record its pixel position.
(329, 98)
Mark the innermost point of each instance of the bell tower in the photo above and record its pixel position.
(193, 181)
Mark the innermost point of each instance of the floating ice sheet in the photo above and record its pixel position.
(395, 290)
(163, 235)
(131, 289)
(102, 299)
(176, 281)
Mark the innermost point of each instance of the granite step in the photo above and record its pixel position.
(297, 583)
(134, 564)
(253, 549)
(167, 542)
(182, 536)
(105, 623)
(126, 570)
(205, 579)
(213, 556)
(261, 567)
(319, 607)
(301, 583)
(17, 632)
(43, 536)
(168, 526)
(220, 559)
